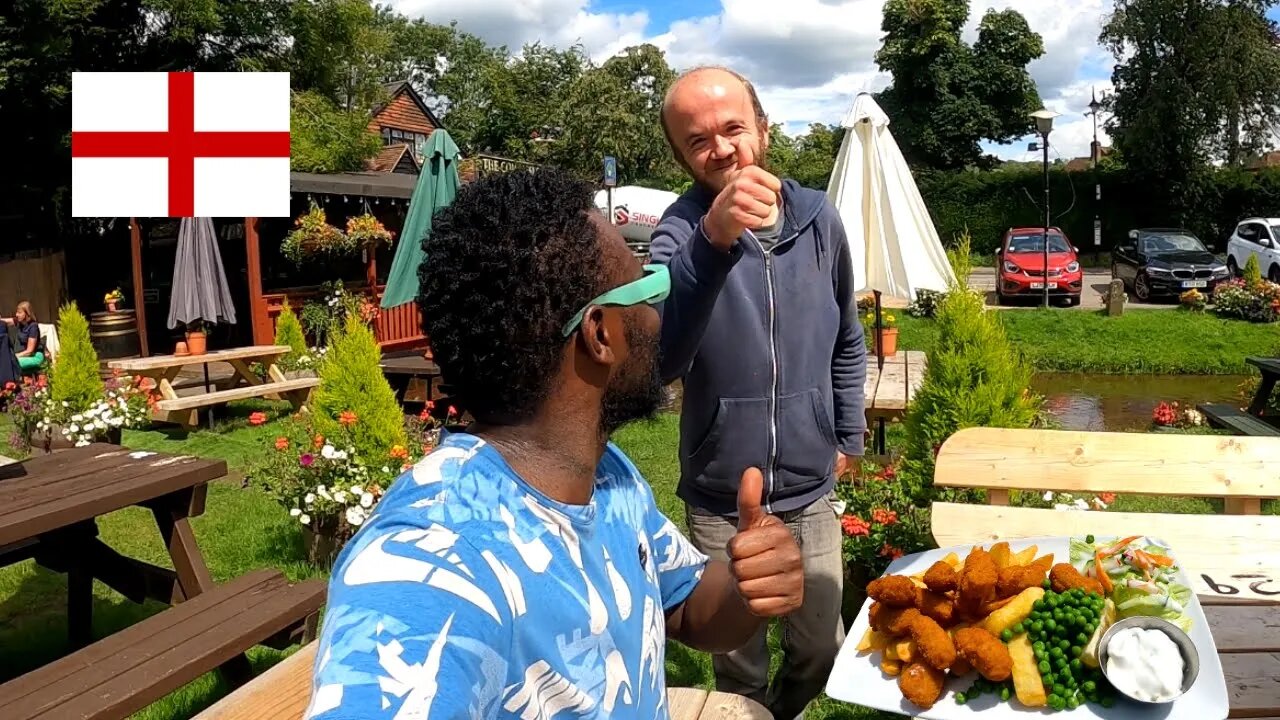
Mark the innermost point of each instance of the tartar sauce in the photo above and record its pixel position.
(1145, 664)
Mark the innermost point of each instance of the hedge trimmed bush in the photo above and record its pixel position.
(352, 382)
(289, 332)
(74, 378)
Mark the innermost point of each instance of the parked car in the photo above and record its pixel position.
(1156, 262)
(1259, 237)
(1022, 267)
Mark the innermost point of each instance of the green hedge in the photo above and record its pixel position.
(989, 203)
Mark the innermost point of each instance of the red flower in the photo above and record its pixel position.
(452, 411)
(282, 443)
(431, 405)
(854, 526)
(890, 552)
(889, 473)
(1164, 414)
(257, 418)
(347, 418)
(884, 517)
(425, 415)
(1107, 497)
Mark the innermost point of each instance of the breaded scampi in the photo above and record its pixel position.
(921, 684)
(938, 607)
(894, 622)
(985, 653)
(893, 590)
(934, 643)
(1065, 577)
(941, 577)
(1015, 579)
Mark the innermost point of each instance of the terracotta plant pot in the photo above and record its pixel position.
(111, 307)
(181, 348)
(890, 338)
(50, 440)
(196, 342)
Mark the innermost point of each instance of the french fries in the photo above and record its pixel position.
(1000, 611)
(1026, 676)
(1014, 612)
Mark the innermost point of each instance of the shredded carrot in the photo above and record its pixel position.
(1153, 559)
(1103, 578)
(1119, 546)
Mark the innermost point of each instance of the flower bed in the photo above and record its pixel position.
(43, 423)
(1173, 416)
(1252, 300)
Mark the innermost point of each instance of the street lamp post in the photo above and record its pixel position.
(1044, 126)
(1095, 152)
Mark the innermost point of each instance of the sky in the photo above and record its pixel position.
(808, 58)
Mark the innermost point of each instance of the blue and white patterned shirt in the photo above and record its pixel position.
(469, 594)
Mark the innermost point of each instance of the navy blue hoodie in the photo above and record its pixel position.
(770, 349)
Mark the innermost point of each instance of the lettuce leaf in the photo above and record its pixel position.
(1170, 605)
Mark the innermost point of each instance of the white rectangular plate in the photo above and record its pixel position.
(856, 677)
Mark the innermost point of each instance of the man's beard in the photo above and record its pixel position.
(762, 162)
(636, 392)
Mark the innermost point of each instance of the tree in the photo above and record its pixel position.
(289, 333)
(1195, 81)
(808, 158)
(351, 381)
(947, 96)
(324, 138)
(74, 379)
(614, 110)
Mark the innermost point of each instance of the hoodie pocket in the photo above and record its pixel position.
(738, 439)
(806, 440)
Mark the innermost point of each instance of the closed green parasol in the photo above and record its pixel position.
(437, 187)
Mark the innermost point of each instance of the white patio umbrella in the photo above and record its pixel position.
(894, 244)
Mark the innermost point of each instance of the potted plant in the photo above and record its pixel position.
(1193, 300)
(313, 237)
(889, 330)
(196, 338)
(113, 299)
(366, 232)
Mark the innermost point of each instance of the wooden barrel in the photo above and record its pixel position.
(114, 334)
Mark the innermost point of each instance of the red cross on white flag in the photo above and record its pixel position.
(179, 144)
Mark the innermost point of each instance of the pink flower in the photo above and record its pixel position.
(306, 460)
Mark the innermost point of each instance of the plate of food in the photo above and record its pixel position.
(1103, 628)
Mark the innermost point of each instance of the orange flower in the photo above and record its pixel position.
(884, 517)
(257, 418)
(318, 441)
(399, 452)
(347, 418)
(854, 526)
(282, 443)
(890, 552)
(431, 405)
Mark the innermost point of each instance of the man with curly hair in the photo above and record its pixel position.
(762, 328)
(523, 568)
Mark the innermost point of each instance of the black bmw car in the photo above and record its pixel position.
(1156, 262)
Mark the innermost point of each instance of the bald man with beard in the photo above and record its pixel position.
(762, 327)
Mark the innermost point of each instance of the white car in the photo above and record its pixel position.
(1259, 237)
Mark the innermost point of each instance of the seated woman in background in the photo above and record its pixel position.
(28, 350)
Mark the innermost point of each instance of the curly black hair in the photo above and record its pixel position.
(506, 266)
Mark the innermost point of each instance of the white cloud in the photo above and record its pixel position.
(809, 61)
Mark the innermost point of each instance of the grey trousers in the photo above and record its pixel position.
(811, 636)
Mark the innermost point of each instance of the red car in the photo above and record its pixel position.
(1021, 271)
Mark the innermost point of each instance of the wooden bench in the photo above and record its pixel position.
(1218, 550)
(284, 691)
(133, 668)
(1233, 418)
(296, 391)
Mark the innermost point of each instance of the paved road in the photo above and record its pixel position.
(1095, 283)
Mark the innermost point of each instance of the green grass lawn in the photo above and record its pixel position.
(1140, 341)
(242, 530)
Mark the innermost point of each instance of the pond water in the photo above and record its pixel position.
(1081, 401)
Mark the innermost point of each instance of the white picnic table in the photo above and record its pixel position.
(183, 410)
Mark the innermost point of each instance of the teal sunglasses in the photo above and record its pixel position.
(652, 288)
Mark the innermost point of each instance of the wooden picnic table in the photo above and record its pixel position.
(48, 511)
(284, 691)
(1251, 421)
(411, 375)
(164, 369)
(890, 389)
(49, 507)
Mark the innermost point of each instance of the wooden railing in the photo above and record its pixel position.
(397, 328)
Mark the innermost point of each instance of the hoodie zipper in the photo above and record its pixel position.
(771, 470)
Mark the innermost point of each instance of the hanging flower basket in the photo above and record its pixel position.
(314, 238)
(365, 231)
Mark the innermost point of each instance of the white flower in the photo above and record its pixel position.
(340, 497)
(356, 489)
(339, 454)
(81, 443)
(73, 428)
(66, 404)
(366, 500)
(1080, 504)
(327, 452)
(1048, 497)
(355, 516)
(295, 512)
(1060, 506)
(305, 519)
(386, 469)
(322, 492)
(310, 498)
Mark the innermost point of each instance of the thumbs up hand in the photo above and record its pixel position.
(764, 557)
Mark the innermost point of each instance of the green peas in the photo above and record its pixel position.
(1018, 629)
(1044, 667)
(1088, 539)
(1072, 703)
(1076, 650)
(1076, 665)
(1059, 690)
(1065, 645)
(1049, 625)
(1004, 694)
(1107, 701)
(1090, 686)
(1056, 652)
(1057, 703)
(1048, 680)
(1038, 605)
(1039, 626)
(1090, 629)
(1038, 646)
(1046, 584)
(960, 698)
